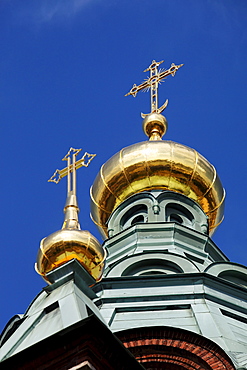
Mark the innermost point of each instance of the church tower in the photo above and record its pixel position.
(158, 293)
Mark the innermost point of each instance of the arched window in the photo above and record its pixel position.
(136, 214)
(179, 214)
(152, 267)
(236, 277)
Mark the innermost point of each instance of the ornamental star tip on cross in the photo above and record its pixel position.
(55, 177)
(152, 83)
(87, 157)
(71, 150)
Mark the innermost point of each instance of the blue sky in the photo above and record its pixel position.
(65, 66)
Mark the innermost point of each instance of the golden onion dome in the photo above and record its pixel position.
(70, 243)
(156, 164)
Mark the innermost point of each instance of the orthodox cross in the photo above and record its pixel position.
(71, 169)
(152, 83)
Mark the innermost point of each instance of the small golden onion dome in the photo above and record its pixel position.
(69, 243)
(156, 164)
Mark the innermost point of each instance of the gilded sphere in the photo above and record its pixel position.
(67, 244)
(154, 125)
(150, 165)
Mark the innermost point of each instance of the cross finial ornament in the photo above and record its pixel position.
(71, 168)
(152, 82)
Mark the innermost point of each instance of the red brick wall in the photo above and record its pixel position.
(174, 349)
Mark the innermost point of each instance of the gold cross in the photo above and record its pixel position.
(71, 168)
(151, 83)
